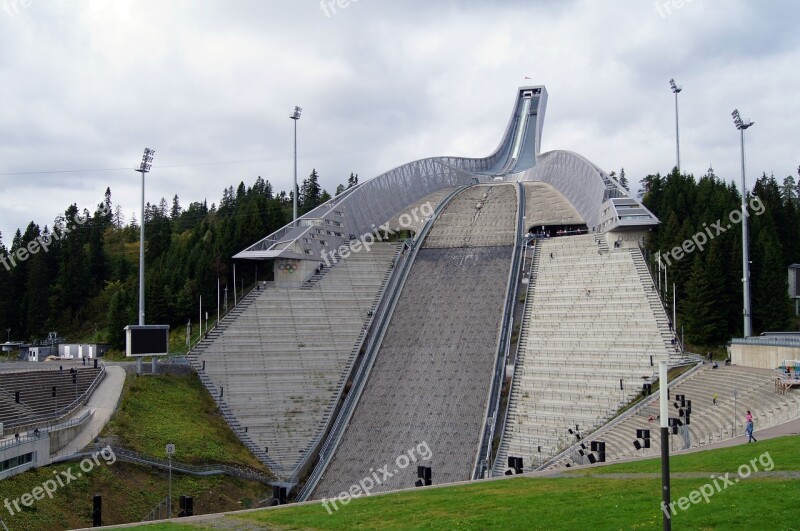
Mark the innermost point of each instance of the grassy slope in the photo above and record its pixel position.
(161, 409)
(574, 502)
(129, 493)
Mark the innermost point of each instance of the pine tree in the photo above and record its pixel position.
(789, 190)
(311, 192)
(119, 217)
(106, 207)
(340, 188)
(352, 180)
(697, 314)
(37, 293)
(718, 293)
(175, 211)
(624, 180)
(770, 287)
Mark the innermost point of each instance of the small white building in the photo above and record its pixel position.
(41, 353)
(74, 351)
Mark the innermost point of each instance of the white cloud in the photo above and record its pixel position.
(89, 84)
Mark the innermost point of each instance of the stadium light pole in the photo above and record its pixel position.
(676, 89)
(144, 168)
(741, 125)
(295, 116)
(664, 417)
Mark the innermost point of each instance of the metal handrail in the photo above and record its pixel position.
(662, 300)
(194, 343)
(378, 312)
(517, 364)
(16, 441)
(362, 374)
(503, 346)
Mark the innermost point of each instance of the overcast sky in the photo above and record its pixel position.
(86, 85)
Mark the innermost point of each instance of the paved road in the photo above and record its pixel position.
(103, 401)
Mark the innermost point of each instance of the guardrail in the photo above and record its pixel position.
(16, 441)
(766, 340)
(123, 454)
(362, 374)
(674, 330)
(483, 459)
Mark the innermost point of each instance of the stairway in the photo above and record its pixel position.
(664, 325)
(502, 451)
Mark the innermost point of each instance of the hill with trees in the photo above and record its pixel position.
(79, 277)
(85, 286)
(709, 281)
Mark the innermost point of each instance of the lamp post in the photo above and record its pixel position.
(295, 116)
(741, 125)
(144, 168)
(676, 89)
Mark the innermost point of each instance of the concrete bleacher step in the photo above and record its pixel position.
(709, 423)
(588, 321)
(294, 343)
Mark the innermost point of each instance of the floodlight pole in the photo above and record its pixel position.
(295, 116)
(748, 325)
(144, 167)
(664, 417)
(676, 89)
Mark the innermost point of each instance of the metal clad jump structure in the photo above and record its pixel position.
(476, 231)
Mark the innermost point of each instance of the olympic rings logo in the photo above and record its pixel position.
(289, 268)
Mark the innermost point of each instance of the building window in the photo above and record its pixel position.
(14, 462)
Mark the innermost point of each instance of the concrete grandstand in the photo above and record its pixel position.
(466, 335)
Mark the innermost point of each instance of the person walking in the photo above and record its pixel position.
(714, 399)
(749, 427)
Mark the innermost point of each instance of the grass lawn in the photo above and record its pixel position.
(156, 410)
(783, 451)
(574, 502)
